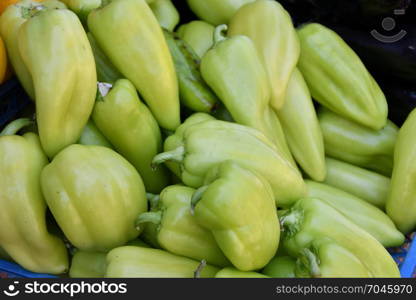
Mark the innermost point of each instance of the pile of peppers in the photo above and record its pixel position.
(233, 145)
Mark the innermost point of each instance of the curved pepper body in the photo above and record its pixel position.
(91, 135)
(234, 273)
(88, 265)
(201, 146)
(280, 267)
(310, 219)
(133, 131)
(358, 211)
(357, 144)
(338, 79)
(95, 196)
(63, 70)
(82, 7)
(139, 51)
(139, 262)
(367, 185)
(401, 202)
(270, 27)
(198, 34)
(301, 126)
(165, 13)
(177, 230)
(23, 232)
(237, 206)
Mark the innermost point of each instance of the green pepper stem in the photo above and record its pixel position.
(153, 200)
(176, 155)
(290, 221)
(149, 217)
(197, 196)
(14, 127)
(219, 33)
(312, 263)
(29, 12)
(201, 266)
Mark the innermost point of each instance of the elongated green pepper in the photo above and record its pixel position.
(338, 79)
(237, 206)
(91, 135)
(194, 92)
(130, 126)
(401, 203)
(301, 126)
(10, 22)
(201, 146)
(198, 34)
(367, 185)
(177, 230)
(139, 262)
(166, 13)
(357, 144)
(234, 273)
(280, 267)
(216, 12)
(23, 232)
(233, 69)
(358, 211)
(270, 27)
(326, 258)
(310, 219)
(95, 196)
(130, 35)
(63, 70)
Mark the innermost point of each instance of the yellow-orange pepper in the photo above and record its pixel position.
(3, 61)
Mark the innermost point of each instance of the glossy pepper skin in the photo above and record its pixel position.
(359, 145)
(358, 211)
(234, 273)
(201, 146)
(198, 34)
(280, 267)
(23, 233)
(401, 202)
(139, 262)
(95, 196)
(327, 259)
(301, 126)
(365, 184)
(166, 13)
(139, 51)
(270, 27)
(338, 79)
(177, 231)
(310, 219)
(194, 92)
(133, 131)
(64, 76)
(233, 69)
(10, 22)
(237, 206)
(91, 135)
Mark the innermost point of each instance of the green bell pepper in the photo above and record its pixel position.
(23, 231)
(338, 79)
(95, 196)
(358, 211)
(130, 126)
(326, 258)
(359, 145)
(166, 13)
(177, 230)
(130, 35)
(234, 273)
(139, 262)
(270, 27)
(216, 12)
(194, 92)
(198, 34)
(91, 135)
(310, 219)
(237, 206)
(203, 145)
(301, 126)
(367, 185)
(401, 202)
(88, 265)
(280, 267)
